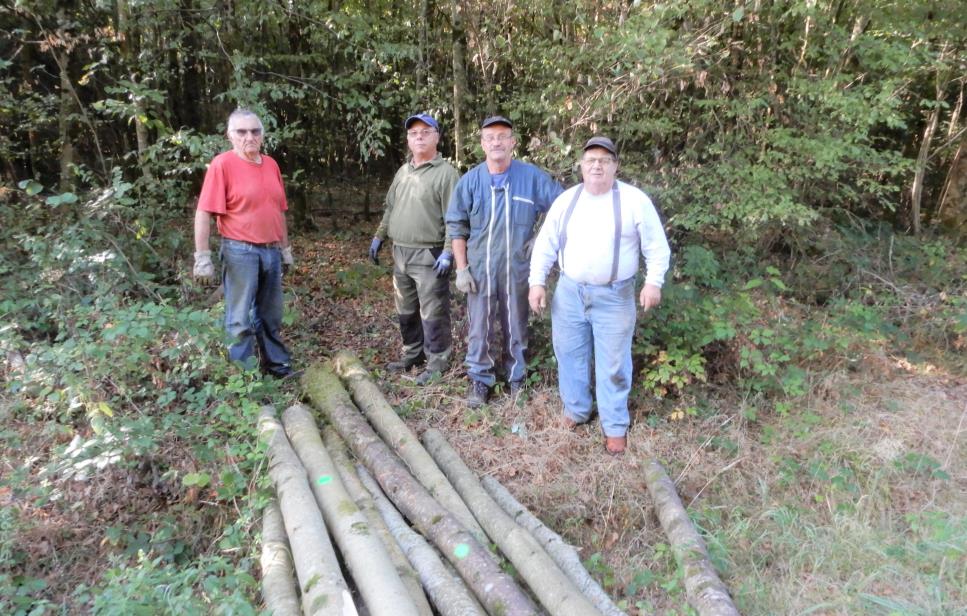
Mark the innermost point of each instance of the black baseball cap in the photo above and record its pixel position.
(601, 142)
(496, 120)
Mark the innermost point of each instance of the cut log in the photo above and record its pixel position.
(401, 439)
(278, 575)
(495, 589)
(368, 562)
(360, 495)
(449, 594)
(563, 554)
(324, 591)
(703, 588)
(554, 590)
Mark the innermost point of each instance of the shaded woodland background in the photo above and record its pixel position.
(807, 157)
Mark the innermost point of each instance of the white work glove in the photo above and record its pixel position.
(465, 282)
(204, 270)
(287, 260)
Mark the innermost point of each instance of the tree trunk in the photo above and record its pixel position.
(363, 500)
(401, 439)
(448, 593)
(495, 589)
(565, 556)
(459, 78)
(369, 564)
(705, 591)
(63, 124)
(129, 53)
(324, 590)
(278, 577)
(553, 589)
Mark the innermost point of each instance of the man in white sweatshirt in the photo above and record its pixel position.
(595, 232)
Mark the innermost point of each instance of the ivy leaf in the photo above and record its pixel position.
(196, 479)
(32, 187)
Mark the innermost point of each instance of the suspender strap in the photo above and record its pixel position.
(616, 205)
(564, 221)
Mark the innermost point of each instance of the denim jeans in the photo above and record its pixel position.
(252, 276)
(598, 319)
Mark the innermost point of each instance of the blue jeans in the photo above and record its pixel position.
(252, 276)
(598, 318)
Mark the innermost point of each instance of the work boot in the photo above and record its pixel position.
(426, 376)
(479, 392)
(515, 388)
(403, 365)
(615, 445)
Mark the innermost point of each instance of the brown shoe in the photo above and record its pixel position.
(567, 423)
(615, 444)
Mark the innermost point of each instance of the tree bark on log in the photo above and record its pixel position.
(403, 441)
(448, 593)
(562, 553)
(365, 556)
(360, 495)
(495, 589)
(554, 590)
(278, 574)
(323, 588)
(705, 591)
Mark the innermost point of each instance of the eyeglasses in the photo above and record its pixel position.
(603, 161)
(426, 132)
(501, 138)
(255, 132)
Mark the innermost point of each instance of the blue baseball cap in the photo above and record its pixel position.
(421, 117)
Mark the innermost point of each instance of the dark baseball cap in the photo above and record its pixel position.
(601, 142)
(421, 117)
(496, 120)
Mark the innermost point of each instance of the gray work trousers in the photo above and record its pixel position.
(423, 306)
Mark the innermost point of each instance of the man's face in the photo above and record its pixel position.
(598, 168)
(497, 142)
(245, 133)
(422, 139)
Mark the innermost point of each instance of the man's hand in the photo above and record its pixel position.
(650, 297)
(465, 283)
(537, 298)
(443, 264)
(204, 270)
(287, 260)
(374, 250)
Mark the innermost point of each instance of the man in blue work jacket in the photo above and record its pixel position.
(490, 222)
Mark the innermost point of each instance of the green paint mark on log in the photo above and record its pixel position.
(324, 480)
(462, 550)
(319, 603)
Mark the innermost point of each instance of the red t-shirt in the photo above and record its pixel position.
(248, 199)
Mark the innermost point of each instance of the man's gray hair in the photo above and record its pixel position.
(242, 112)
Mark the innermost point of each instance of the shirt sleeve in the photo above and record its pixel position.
(654, 244)
(212, 197)
(549, 190)
(446, 193)
(546, 245)
(458, 212)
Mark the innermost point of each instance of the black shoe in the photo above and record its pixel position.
(403, 365)
(479, 392)
(515, 388)
(285, 374)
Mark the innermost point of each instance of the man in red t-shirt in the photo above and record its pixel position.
(243, 191)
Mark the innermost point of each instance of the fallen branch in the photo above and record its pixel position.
(495, 589)
(278, 576)
(347, 472)
(369, 564)
(554, 590)
(705, 591)
(565, 556)
(401, 439)
(324, 590)
(449, 594)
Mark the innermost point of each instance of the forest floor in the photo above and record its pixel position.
(853, 502)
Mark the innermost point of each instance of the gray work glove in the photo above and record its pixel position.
(204, 270)
(465, 281)
(287, 260)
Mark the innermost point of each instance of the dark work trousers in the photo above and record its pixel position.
(423, 306)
